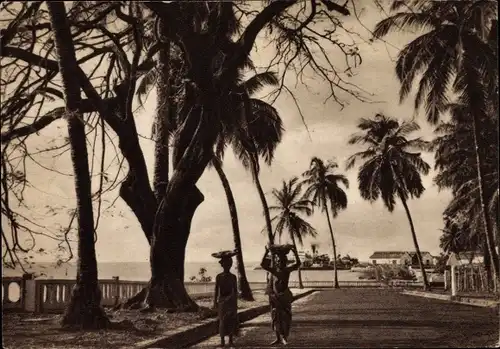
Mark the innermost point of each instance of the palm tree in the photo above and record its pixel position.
(255, 133)
(390, 170)
(323, 189)
(459, 48)
(262, 135)
(84, 309)
(455, 159)
(264, 131)
(290, 204)
(245, 292)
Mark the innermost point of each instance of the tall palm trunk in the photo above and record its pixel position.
(162, 123)
(482, 196)
(301, 285)
(336, 279)
(263, 200)
(267, 217)
(487, 264)
(415, 242)
(84, 309)
(243, 285)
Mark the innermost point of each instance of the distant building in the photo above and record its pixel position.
(427, 258)
(464, 258)
(302, 255)
(401, 258)
(390, 257)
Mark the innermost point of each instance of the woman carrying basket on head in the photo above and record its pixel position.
(226, 297)
(280, 295)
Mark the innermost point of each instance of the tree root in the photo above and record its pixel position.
(171, 296)
(84, 311)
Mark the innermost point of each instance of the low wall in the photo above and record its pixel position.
(53, 295)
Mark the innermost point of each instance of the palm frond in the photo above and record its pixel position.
(412, 60)
(259, 81)
(265, 128)
(405, 21)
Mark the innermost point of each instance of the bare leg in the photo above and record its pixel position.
(277, 340)
(284, 341)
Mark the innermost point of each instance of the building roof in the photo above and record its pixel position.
(387, 254)
(394, 254)
(464, 258)
(421, 253)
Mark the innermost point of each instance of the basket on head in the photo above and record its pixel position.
(280, 249)
(224, 254)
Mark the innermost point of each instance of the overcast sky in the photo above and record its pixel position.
(359, 230)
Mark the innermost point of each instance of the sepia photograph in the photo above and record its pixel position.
(250, 174)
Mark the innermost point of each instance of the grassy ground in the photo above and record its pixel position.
(44, 331)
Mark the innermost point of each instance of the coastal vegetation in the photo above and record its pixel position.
(90, 65)
(202, 276)
(388, 272)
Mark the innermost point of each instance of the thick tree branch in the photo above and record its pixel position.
(6, 35)
(247, 39)
(30, 58)
(331, 6)
(87, 106)
(50, 64)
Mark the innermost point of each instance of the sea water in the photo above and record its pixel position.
(140, 271)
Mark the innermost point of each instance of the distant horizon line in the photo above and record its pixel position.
(209, 261)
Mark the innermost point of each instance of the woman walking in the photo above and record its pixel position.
(280, 295)
(226, 297)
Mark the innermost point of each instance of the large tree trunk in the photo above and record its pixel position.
(192, 152)
(336, 278)
(483, 200)
(298, 271)
(415, 242)
(245, 291)
(84, 309)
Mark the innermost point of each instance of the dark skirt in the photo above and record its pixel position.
(281, 311)
(228, 315)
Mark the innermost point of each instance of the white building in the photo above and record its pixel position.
(401, 258)
(390, 257)
(302, 255)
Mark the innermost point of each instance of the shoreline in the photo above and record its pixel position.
(313, 268)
